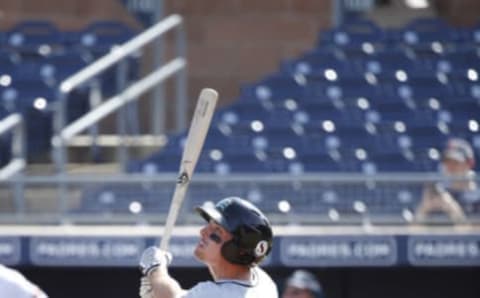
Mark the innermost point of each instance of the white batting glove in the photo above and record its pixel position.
(145, 288)
(152, 258)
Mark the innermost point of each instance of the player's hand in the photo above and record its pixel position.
(145, 288)
(152, 258)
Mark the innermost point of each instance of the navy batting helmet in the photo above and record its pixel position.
(251, 230)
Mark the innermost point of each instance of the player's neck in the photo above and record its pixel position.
(229, 271)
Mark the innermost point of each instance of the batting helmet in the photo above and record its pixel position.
(251, 230)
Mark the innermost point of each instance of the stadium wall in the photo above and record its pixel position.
(459, 12)
(232, 42)
(67, 14)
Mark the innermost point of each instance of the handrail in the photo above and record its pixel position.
(119, 53)
(9, 122)
(311, 186)
(115, 102)
(116, 56)
(17, 163)
(168, 177)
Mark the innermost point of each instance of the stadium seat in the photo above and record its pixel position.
(276, 87)
(35, 38)
(60, 65)
(426, 31)
(352, 33)
(99, 37)
(459, 61)
(318, 61)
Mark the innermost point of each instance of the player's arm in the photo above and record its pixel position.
(156, 282)
(163, 285)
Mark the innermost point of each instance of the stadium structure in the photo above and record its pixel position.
(332, 119)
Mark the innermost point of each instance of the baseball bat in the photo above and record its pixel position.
(191, 152)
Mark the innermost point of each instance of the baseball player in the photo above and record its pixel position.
(14, 284)
(302, 284)
(235, 239)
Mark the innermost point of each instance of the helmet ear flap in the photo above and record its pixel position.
(233, 253)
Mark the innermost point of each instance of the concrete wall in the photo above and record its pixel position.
(68, 14)
(459, 12)
(232, 42)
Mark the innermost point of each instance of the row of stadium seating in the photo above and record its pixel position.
(315, 115)
(337, 201)
(41, 37)
(361, 101)
(35, 57)
(358, 102)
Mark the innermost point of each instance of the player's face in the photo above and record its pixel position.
(292, 292)
(212, 237)
(454, 167)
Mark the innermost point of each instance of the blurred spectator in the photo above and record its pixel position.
(14, 284)
(458, 186)
(302, 284)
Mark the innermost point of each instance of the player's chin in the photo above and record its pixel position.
(198, 252)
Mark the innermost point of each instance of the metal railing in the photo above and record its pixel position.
(14, 122)
(327, 198)
(17, 162)
(63, 134)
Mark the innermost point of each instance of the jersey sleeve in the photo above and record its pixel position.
(205, 289)
(14, 284)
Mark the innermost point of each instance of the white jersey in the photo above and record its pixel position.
(260, 285)
(14, 284)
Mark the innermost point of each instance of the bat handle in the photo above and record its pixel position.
(180, 192)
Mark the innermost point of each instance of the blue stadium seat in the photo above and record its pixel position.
(342, 91)
(387, 62)
(352, 33)
(469, 35)
(318, 61)
(277, 87)
(394, 162)
(100, 36)
(426, 31)
(8, 63)
(36, 38)
(60, 65)
(318, 162)
(118, 198)
(459, 61)
(422, 88)
(247, 161)
(427, 136)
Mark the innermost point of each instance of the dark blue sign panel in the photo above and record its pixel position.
(446, 250)
(338, 251)
(86, 251)
(10, 250)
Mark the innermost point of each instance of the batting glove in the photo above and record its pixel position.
(152, 258)
(145, 288)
